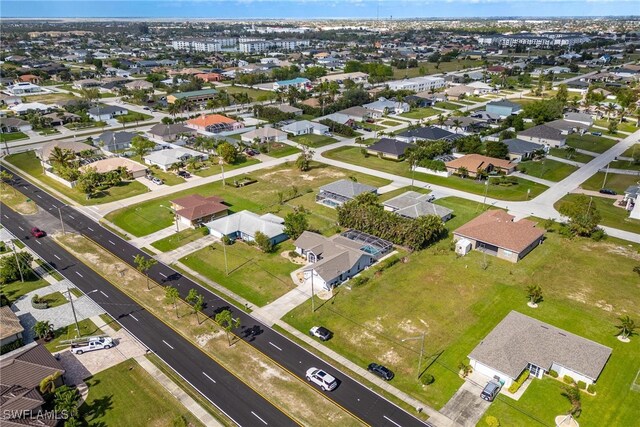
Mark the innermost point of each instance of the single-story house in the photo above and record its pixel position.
(464, 124)
(361, 114)
(389, 148)
(412, 204)
(135, 169)
(520, 149)
(458, 92)
(62, 118)
(86, 84)
(338, 258)
(106, 112)
(264, 134)
(357, 77)
(12, 124)
(114, 141)
(543, 134)
(503, 108)
(10, 328)
(388, 106)
(26, 107)
(520, 342)
(165, 158)
(286, 108)
(419, 101)
(339, 192)
(244, 225)
(480, 88)
(475, 163)
(44, 152)
(582, 118)
(305, 127)
(196, 96)
(139, 85)
(427, 133)
(299, 83)
(343, 119)
(29, 78)
(496, 233)
(214, 123)
(9, 99)
(209, 77)
(194, 210)
(566, 127)
(171, 132)
(24, 88)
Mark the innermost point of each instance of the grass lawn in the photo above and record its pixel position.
(261, 278)
(516, 192)
(373, 127)
(390, 123)
(51, 98)
(624, 126)
(110, 321)
(457, 303)
(87, 328)
(15, 290)
(447, 105)
(176, 240)
(577, 157)
(625, 164)
(313, 140)
(617, 182)
(255, 94)
(430, 67)
(126, 394)
(631, 150)
(262, 197)
(169, 178)
(50, 131)
(597, 144)
(29, 163)
(12, 136)
(612, 216)
(213, 167)
(17, 201)
(55, 299)
(547, 169)
(420, 113)
(282, 150)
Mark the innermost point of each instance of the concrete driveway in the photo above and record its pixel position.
(466, 407)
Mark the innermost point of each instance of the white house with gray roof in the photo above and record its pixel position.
(412, 204)
(165, 158)
(521, 342)
(339, 192)
(305, 127)
(245, 224)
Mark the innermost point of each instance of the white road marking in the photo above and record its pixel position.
(54, 206)
(38, 242)
(168, 345)
(133, 317)
(256, 415)
(71, 217)
(6, 216)
(163, 275)
(24, 186)
(57, 257)
(391, 421)
(78, 274)
(20, 227)
(112, 243)
(214, 381)
(38, 196)
(89, 228)
(275, 346)
(104, 294)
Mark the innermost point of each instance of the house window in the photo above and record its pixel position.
(535, 371)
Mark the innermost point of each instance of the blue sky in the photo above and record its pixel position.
(230, 9)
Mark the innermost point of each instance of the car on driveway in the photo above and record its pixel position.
(608, 191)
(184, 174)
(596, 133)
(321, 378)
(37, 233)
(491, 390)
(157, 181)
(96, 343)
(381, 371)
(321, 332)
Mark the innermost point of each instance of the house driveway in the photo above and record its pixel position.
(466, 407)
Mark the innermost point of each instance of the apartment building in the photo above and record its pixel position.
(418, 84)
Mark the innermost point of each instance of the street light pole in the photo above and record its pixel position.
(13, 245)
(606, 172)
(74, 312)
(313, 301)
(224, 249)
(421, 338)
(222, 169)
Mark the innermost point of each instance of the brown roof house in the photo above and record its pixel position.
(194, 210)
(496, 233)
(521, 342)
(475, 163)
(10, 328)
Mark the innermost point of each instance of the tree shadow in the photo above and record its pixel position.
(96, 409)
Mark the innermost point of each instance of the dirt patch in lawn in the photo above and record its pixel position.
(603, 305)
(391, 357)
(624, 251)
(203, 339)
(408, 327)
(578, 296)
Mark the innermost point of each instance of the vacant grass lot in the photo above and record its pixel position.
(176, 240)
(255, 94)
(624, 126)
(31, 165)
(262, 197)
(12, 136)
(282, 150)
(420, 113)
(597, 144)
(430, 67)
(547, 169)
(447, 105)
(457, 302)
(313, 140)
(612, 216)
(517, 192)
(212, 167)
(390, 123)
(126, 394)
(577, 157)
(51, 98)
(87, 328)
(617, 182)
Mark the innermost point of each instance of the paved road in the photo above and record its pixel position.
(240, 402)
(370, 407)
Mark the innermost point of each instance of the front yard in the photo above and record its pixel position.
(576, 157)
(617, 182)
(547, 169)
(86, 326)
(518, 192)
(420, 113)
(596, 144)
(313, 140)
(212, 167)
(12, 136)
(15, 290)
(178, 239)
(612, 216)
(629, 126)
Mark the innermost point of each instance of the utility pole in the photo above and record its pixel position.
(421, 350)
(313, 302)
(222, 168)
(74, 312)
(13, 245)
(606, 172)
(224, 249)
(61, 221)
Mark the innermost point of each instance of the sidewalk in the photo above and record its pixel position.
(143, 241)
(533, 179)
(567, 161)
(182, 251)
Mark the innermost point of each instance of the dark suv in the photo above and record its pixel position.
(491, 390)
(381, 371)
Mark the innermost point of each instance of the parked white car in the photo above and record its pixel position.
(321, 378)
(92, 344)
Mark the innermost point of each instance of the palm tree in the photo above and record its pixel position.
(572, 393)
(441, 119)
(610, 109)
(6, 176)
(571, 151)
(626, 327)
(534, 293)
(226, 320)
(293, 94)
(143, 265)
(174, 109)
(48, 384)
(61, 157)
(42, 329)
(456, 124)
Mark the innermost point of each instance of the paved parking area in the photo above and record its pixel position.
(466, 407)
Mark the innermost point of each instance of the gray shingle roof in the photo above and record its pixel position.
(347, 188)
(431, 133)
(543, 132)
(106, 109)
(519, 146)
(519, 340)
(390, 146)
(505, 103)
(412, 204)
(110, 138)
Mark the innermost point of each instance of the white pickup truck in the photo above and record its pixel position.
(92, 344)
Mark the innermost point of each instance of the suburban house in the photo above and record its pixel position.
(135, 169)
(305, 127)
(29, 78)
(106, 112)
(164, 159)
(86, 84)
(61, 118)
(214, 123)
(343, 119)
(389, 148)
(567, 127)
(22, 371)
(520, 149)
(27, 107)
(290, 109)
(494, 232)
(338, 258)
(412, 204)
(196, 96)
(356, 77)
(169, 133)
(388, 106)
(244, 225)
(139, 85)
(12, 124)
(464, 124)
(360, 114)
(209, 77)
(24, 88)
(339, 192)
(299, 83)
(521, 342)
(427, 133)
(475, 163)
(114, 141)
(503, 108)
(10, 328)
(631, 200)
(264, 134)
(480, 88)
(195, 210)
(582, 118)
(543, 134)
(458, 92)
(44, 152)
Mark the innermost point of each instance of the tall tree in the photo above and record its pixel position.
(66, 401)
(42, 328)
(61, 157)
(582, 213)
(296, 222)
(227, 322)
(141, 145)
(171, 295)
(143, 265)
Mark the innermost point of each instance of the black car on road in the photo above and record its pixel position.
(381, 371)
